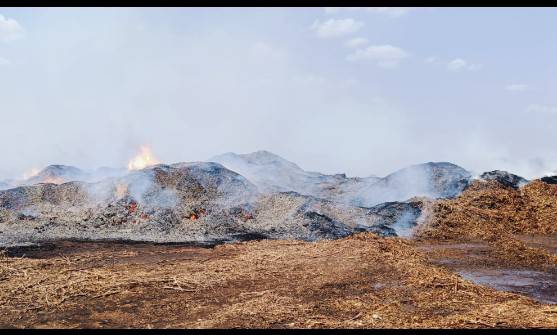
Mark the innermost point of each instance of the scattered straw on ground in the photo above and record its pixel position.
(360, 281)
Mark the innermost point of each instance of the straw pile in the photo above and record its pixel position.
(489, 211)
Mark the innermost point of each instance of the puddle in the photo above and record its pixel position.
(453, 246)
(548, 243)
(473, 262)
(535, 284)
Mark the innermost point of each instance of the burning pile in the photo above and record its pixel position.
(143, 159)
(206, 202)
(184, 202)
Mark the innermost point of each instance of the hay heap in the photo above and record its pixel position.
(488, 208)
(494, 212)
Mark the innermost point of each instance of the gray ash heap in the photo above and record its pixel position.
(57, 174)
(549, 179)
(258, 195)
(270, 172)
(505, 178)
(199, 202)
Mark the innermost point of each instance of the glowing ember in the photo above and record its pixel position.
(132, 207)
(143, 159)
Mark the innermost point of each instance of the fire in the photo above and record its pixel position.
(143, 159)
(121, 190)
(31, 173)
(53, 180)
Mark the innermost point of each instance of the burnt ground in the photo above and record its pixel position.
(361, 281)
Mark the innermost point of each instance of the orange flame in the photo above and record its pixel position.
(31, 173)
(121, 190)
(143, 159)
(53, 180)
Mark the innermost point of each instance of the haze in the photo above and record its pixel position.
(361, 90)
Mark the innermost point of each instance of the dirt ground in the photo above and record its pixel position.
(361, 281)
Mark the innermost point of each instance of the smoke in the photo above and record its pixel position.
(405, 225)
(138, 185)
(86, 94)
(271, 173)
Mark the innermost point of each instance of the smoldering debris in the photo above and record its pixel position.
(206, 202)
(270, 173)
(549, 179)
(505, 178)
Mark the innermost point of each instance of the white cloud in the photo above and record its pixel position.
(385, 56)
(432, 60)
(516, 87)
(10, 29)
(389, 11)
(543, 109)
(357, 42)
(336, 27)
(474, 67)
(4, 62)
(459, 64)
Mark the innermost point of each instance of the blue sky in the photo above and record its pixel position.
(356, 90)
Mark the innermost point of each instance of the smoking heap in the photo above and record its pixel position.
(231, 197)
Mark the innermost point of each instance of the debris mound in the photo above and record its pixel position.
(505, 178)
(57, 174)
(272, 173)
(490, 211)
(200, 202)
(549, 180)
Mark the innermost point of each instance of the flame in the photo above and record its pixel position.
(31, 173)
(143, 159)
(121, 190)
(53, 180)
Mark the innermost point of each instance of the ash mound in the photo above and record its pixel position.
(4, 185)
(505, 178)
(200, 202)
(57, 174)
(259, 195)
(433, 179)
(271, 173)
(549, 180)
(398, 218)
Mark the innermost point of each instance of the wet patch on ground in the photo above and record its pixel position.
(545, 242)
(474, 261)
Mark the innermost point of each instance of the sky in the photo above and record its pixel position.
(361, 91)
